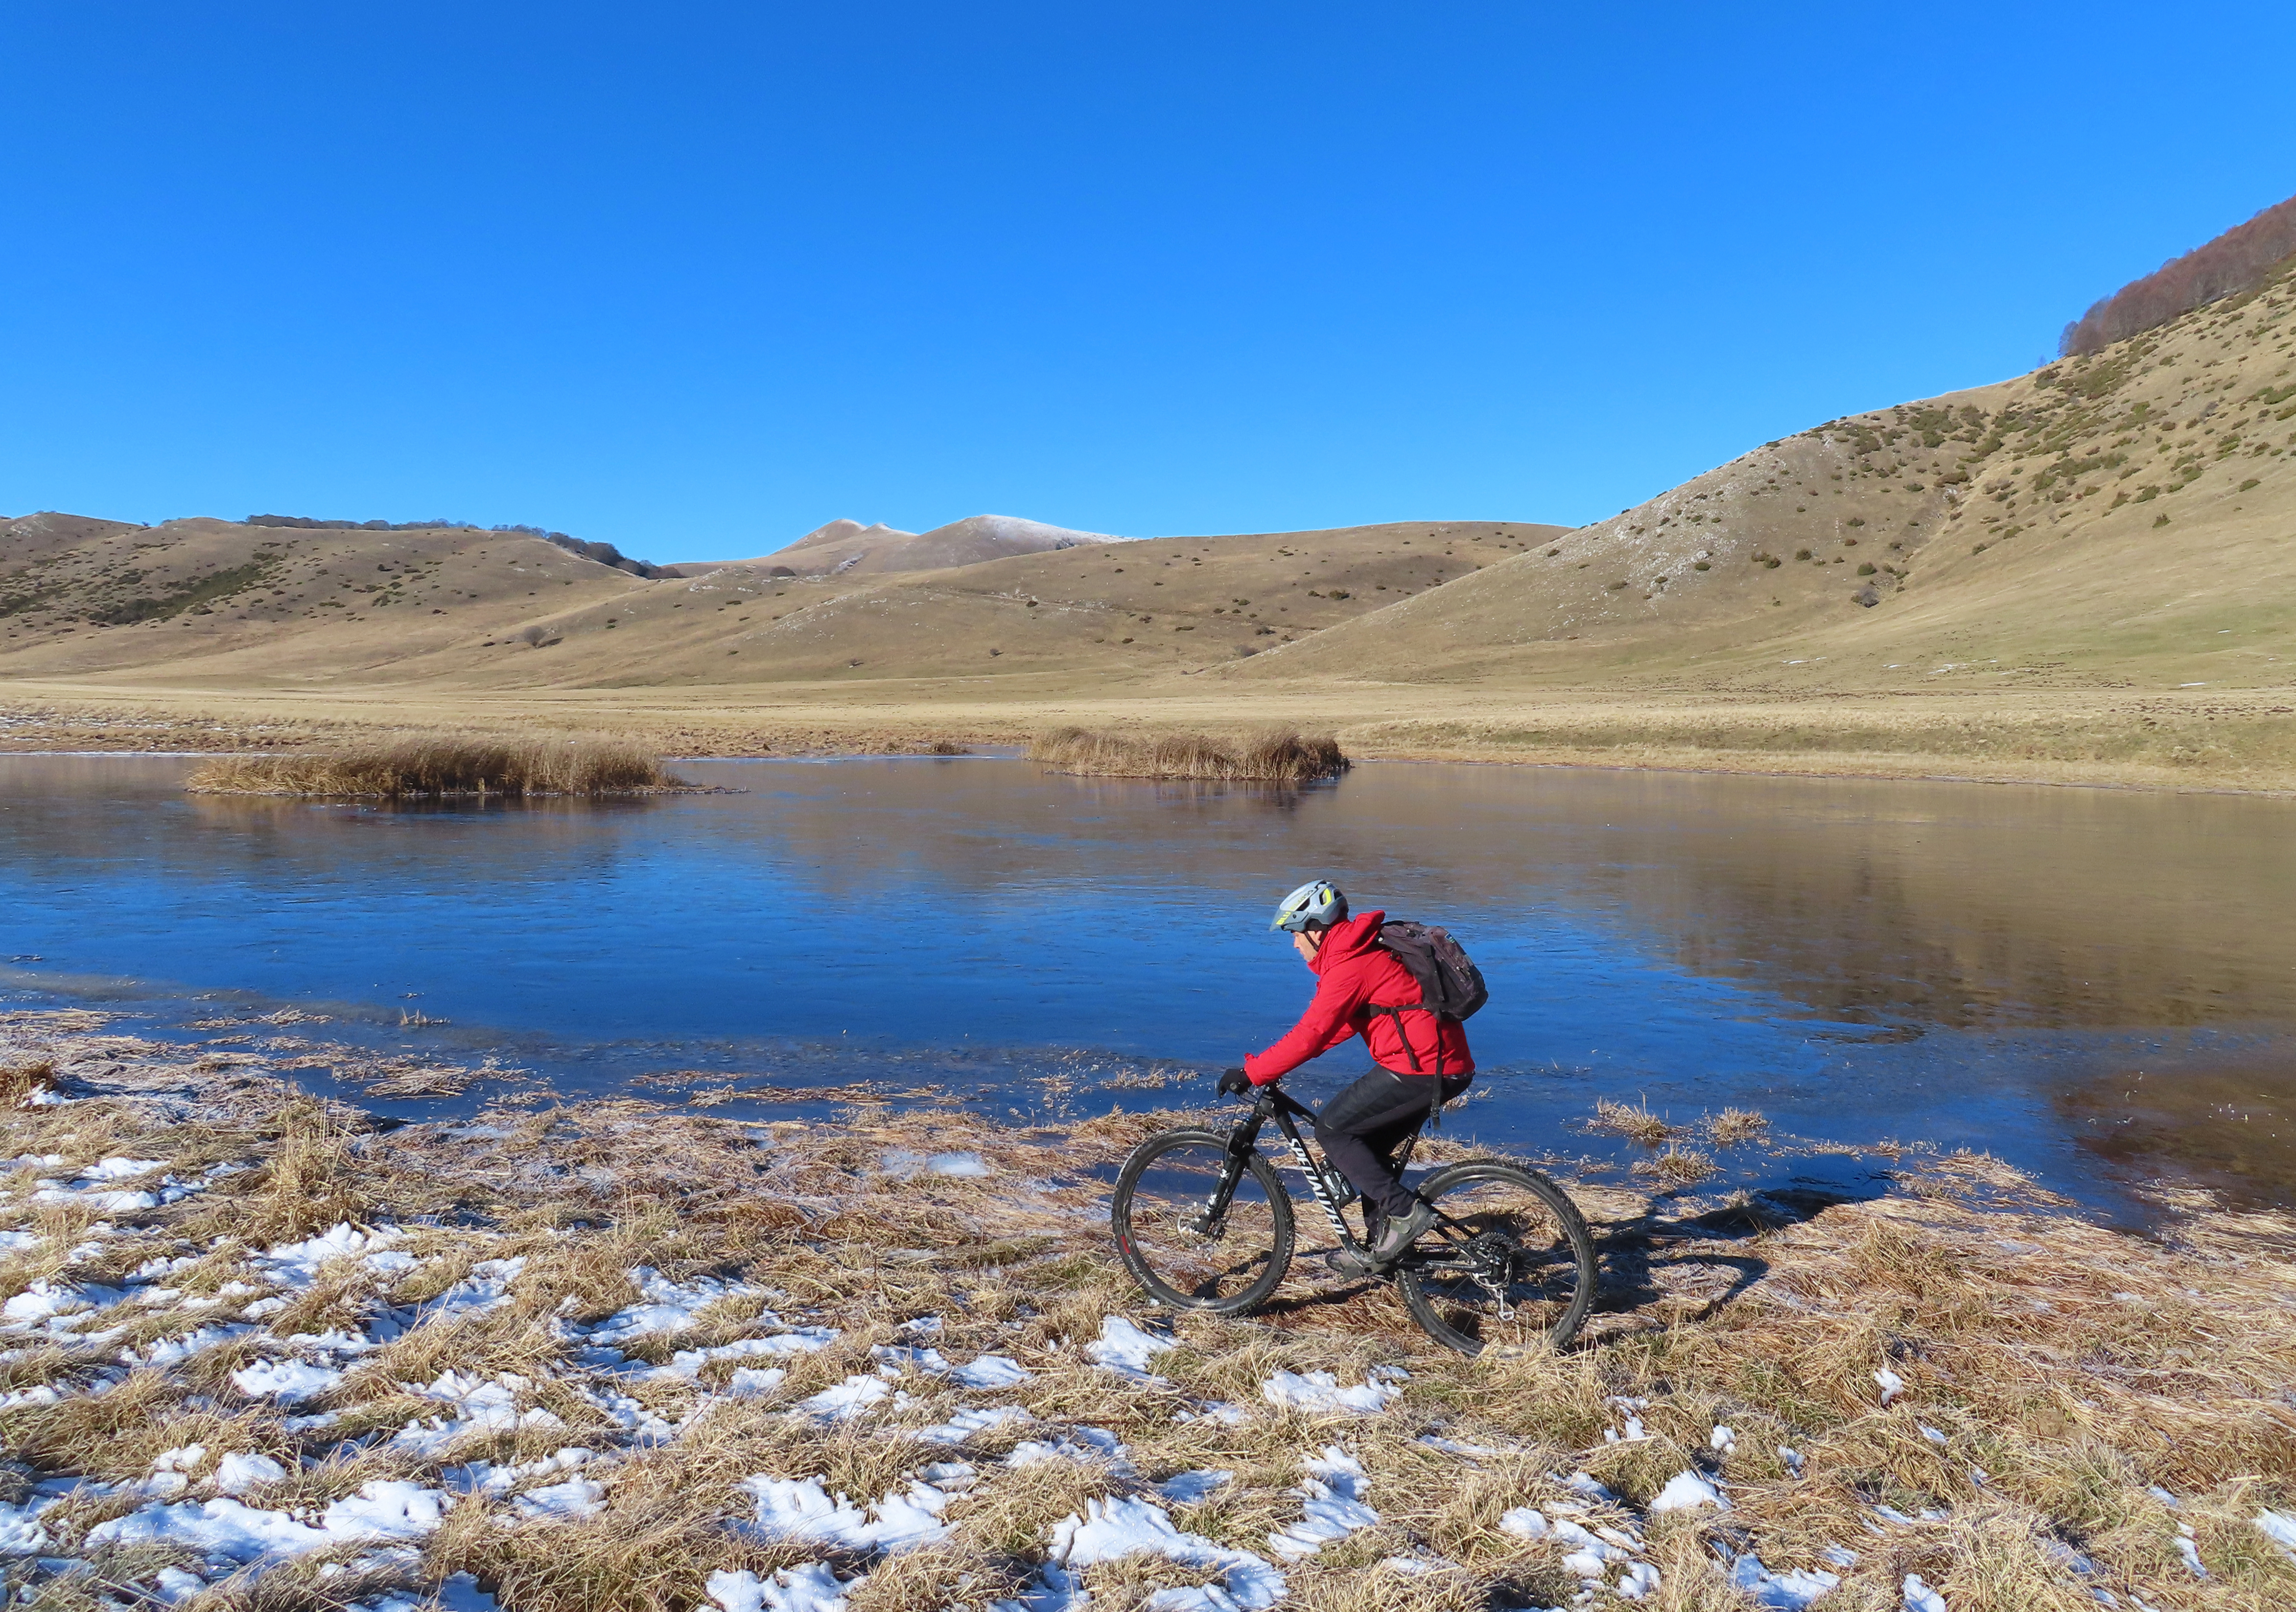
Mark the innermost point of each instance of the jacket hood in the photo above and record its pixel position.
(1351, 939)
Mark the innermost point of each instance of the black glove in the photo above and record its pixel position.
(1233, 1082)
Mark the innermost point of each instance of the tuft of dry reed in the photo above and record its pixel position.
(1735, 1126)
(1278, 756)
(1634, 1121)
(1678, 1166)
(444, 765)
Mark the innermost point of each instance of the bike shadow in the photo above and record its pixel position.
(1654, 1257)
(1705, 1259)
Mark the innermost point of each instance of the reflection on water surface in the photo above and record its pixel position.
(1976, 965)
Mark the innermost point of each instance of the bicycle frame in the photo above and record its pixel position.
(1274, 1103)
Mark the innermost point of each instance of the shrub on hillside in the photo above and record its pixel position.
(2240, 260)
(605, 554)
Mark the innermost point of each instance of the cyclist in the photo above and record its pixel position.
(1362, 989)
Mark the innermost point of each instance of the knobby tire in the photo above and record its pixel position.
(1229, 1269)
(1552, 1265)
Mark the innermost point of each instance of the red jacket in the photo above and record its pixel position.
(1353, 975)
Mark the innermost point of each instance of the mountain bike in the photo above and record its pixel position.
(1203, 1223)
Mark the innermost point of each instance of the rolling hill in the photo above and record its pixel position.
(2103, 549)
(213, 603)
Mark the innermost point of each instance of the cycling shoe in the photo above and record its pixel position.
(1352, 1261)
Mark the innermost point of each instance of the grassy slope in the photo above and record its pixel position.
(454, 607)
(2125, 521)
(213, 603)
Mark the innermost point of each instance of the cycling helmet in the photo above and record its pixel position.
(1315, 904)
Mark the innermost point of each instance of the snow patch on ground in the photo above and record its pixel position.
(964, 1424)
(800, 1509)
(1113, 1529)
(93, 1187)
(1687, 1492)
(575, 1499)
(1187, 1488)
(47, 1302)
(809, 1588)
(288, 1381)
(1078, 1445)
(845, 1401)
(174, 1351)
(21, 1533)
(893, 1359)
(243, 1469)
(1334, 1490)
(667, 1306)
(478, 1406)
(485, 1477)
(382, 1509)
(991, 1371)
(487, 1287)
(687, 1363)
(1593, 1551)
(1790, 1592)
(1126, 1349)
(1320, 1391)
(297, 1265)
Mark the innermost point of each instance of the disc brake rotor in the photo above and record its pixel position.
(1491, 1259)
(1203, 1224)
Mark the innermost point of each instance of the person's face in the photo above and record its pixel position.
(1306, 944)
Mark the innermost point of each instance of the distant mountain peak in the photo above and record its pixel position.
(845, 530)
(846, 548)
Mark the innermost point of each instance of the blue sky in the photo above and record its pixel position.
(695, 278)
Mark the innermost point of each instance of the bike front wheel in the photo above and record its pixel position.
(1200, 1228)
(1511, 1264)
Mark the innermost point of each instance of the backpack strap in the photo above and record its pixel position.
(1434, 1102)
(1397, 1013)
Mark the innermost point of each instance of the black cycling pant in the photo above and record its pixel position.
(1361, 1128)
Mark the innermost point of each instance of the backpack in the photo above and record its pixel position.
(1449, 983)
(1450, 986)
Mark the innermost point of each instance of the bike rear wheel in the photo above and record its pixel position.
(1510, 1266)
(1185, 1251)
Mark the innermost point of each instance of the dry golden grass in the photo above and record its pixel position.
(2054, 1374)
(311, 1178)
(20, 1080)
(1276, 757)
(444, 765)
(1734, 1127)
